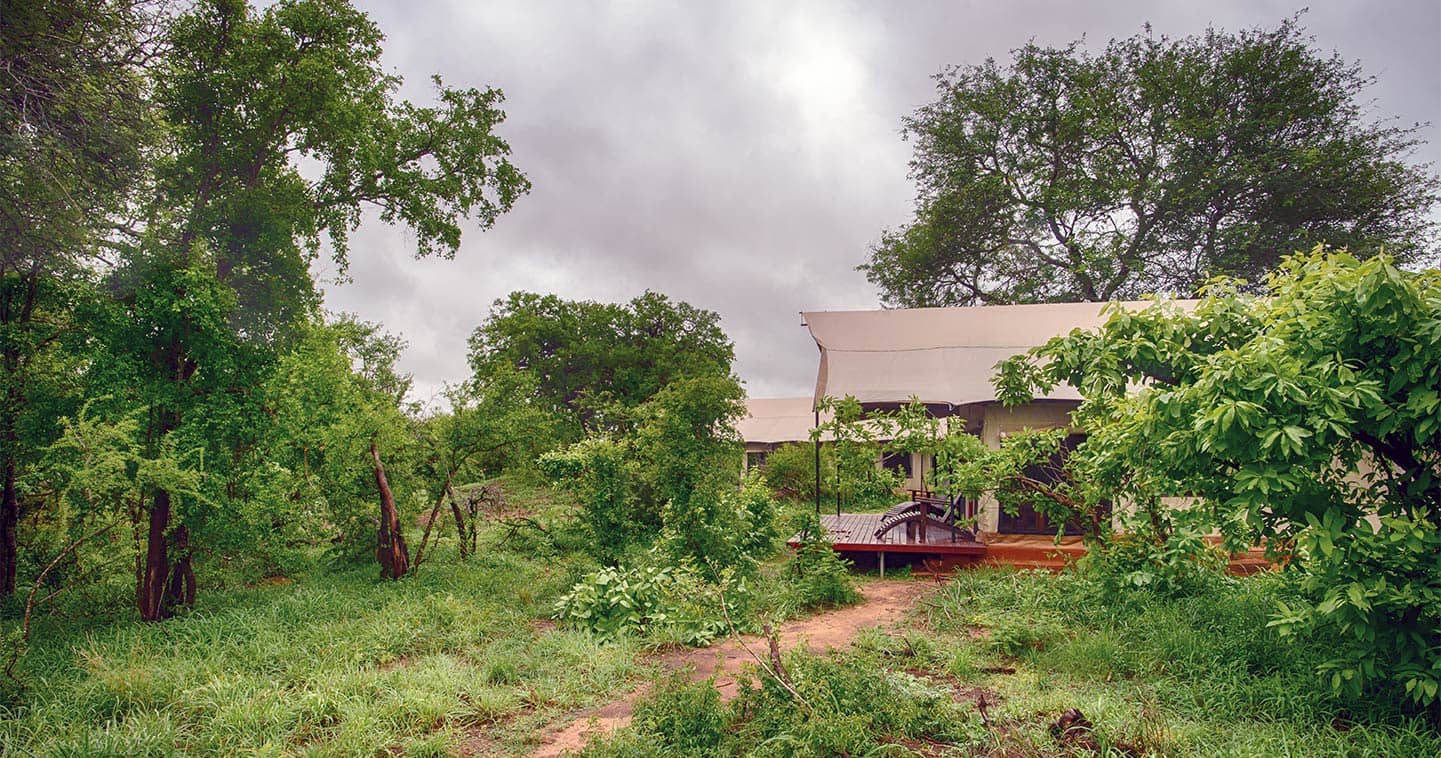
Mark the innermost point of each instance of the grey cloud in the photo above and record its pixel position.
(741, 156)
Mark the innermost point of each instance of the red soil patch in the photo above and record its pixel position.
(884, 602)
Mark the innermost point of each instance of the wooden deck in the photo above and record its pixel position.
(856, 532)
(854, 535)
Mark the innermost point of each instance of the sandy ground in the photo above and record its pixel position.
(885, 602)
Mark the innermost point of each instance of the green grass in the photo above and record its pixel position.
(1185, 676)
(336, 662)
(1197, 676)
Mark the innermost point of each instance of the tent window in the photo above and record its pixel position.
(1027, 520)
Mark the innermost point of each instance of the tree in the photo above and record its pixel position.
(338, 405)
(593, 361)
(1310, 416)
(1148, 167)
(492, 425)
(245, 97)
(675, 470)
(74, 125)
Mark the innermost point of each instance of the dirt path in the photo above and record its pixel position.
(884, 603)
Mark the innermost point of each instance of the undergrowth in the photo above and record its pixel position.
(332, 661)
(1151, 674)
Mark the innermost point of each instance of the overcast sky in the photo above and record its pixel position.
(743, 156)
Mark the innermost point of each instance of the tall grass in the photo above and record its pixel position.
(1198, 676)
(336, 662)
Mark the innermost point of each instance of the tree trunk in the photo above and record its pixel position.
(150, 593)
(9, 526)
(459, 525)
(390, 547)
(430, 522)
(181, 589)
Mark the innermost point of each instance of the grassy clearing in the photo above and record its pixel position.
(1187, 676)
(335, 662)
(1192, 676)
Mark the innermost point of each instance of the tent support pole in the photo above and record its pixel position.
(818, 463)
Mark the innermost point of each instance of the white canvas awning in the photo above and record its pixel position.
(774, 420)
(942, 356)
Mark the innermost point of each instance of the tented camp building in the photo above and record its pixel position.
(946, 358)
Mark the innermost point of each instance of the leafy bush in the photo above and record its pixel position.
(1377, 595)
(850, 704)
(1309, 413)
(677, 464)
(663, 601)
(595, 470)
(732, 530)
(1166, 552)
(790, 472)
(820, 577)
(687, 716)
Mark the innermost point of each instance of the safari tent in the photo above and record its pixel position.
(946, 358)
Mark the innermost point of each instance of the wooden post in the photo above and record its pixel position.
(818, 463)
(883, 564)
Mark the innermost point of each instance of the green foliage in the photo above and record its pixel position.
(248, 93)
(818, 577)
(853, 705)
(685, 442)
(75, 127)
(859, 480)
(676, 472)
(1377, 594)
(1020, 635)
(1165, 552)
(857, 706)
(331, 396)
(595, 470)
(687, 716)
(1064, 175)
(492, 426)
(732, 529)
(790, 471)
(1309, 414)
(655, 601)
(594, 362)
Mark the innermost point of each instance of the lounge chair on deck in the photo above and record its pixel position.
(922, 513)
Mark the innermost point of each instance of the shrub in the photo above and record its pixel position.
(686, 715)
(1165, 552)
(853, 706)
(790, 472)
(1307, 413)
(821, 578)
(595, 471)
(733, 529)
(673, 602)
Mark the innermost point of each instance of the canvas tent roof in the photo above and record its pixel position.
(943, 356)
(776, 420)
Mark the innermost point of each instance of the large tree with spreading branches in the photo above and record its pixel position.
(1148, 166)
